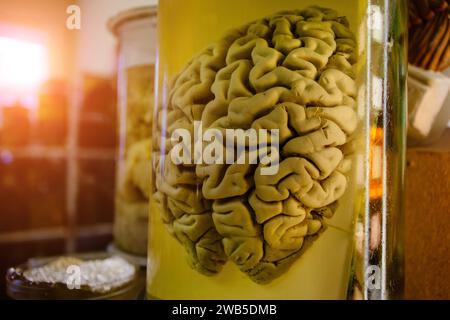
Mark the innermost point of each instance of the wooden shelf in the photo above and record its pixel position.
(100, 154)
(55, 233)
(71, 153)
(34, 151)
(48, 152)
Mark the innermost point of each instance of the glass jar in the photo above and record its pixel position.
(136, 31)
(19, 286)
(278, 150)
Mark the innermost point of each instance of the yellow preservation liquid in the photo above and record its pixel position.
(320, 258)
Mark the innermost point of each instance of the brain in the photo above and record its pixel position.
(292, 71)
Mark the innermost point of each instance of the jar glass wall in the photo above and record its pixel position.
(278, 149)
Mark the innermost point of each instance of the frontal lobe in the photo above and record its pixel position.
(292, 71)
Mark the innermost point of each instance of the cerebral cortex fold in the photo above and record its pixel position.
(292, 71)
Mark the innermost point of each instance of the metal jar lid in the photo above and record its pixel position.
(123, 17)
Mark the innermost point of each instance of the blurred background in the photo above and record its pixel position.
(58, 139)
(57, 128)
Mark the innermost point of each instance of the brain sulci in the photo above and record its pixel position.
(292, 71)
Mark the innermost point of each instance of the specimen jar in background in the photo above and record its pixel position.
(136, 32)
(278, 150)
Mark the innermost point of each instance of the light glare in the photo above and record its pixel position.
(23, 64)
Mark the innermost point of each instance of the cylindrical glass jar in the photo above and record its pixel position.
(278, 150)
(136, 31)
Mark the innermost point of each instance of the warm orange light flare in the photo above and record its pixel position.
(23, 64)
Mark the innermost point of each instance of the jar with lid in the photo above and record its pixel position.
(136, 33)
(278, 150)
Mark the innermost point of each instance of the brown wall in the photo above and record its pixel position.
(427, 246)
